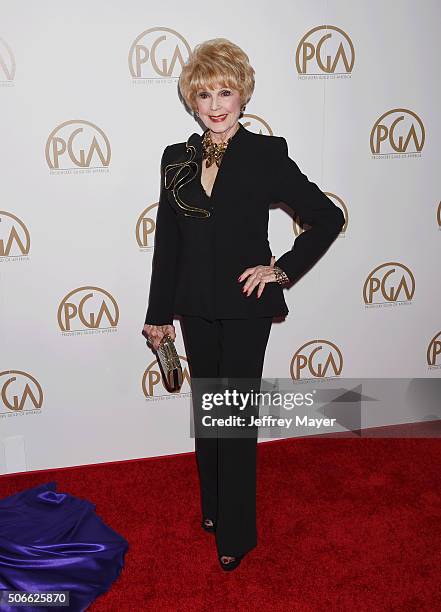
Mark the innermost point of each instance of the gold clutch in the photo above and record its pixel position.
(170, 363)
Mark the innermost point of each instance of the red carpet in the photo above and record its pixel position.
(343, 524)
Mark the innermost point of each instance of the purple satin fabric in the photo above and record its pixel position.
(55, 541)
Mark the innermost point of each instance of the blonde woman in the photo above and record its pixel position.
(213, 266)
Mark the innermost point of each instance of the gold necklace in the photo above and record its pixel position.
(213, 151)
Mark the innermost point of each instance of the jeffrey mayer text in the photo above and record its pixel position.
(267, 421)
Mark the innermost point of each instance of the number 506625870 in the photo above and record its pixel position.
(29, 598)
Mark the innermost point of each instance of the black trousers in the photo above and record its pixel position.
(227, 348)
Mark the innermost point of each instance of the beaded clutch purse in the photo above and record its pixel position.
(170, 363)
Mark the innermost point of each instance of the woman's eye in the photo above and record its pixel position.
(204, 94)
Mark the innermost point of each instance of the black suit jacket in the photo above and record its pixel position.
(202, 244)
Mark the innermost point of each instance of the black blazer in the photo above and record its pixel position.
(202, 244)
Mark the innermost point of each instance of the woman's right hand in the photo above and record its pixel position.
(155, 333)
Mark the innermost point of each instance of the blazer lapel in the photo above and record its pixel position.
(228, 172)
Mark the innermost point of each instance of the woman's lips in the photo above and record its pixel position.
(217, 119)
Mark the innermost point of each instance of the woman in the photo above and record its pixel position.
(213, 265)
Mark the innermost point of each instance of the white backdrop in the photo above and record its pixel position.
(89, 101)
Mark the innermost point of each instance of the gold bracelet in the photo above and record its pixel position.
(281, 276)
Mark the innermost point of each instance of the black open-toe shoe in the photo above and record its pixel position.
(209, 528)
(230, 565)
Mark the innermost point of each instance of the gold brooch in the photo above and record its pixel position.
(185, 172)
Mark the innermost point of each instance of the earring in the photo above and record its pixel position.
(197, 113)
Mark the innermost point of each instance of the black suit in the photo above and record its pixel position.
(200, 251)
(202, 245)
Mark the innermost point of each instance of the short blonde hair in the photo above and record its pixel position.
(216, 62)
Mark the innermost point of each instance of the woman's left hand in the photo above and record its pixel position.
(258, 276)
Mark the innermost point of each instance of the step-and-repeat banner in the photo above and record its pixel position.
(89, 100)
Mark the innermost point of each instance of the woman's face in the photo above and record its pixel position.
(219, 108)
